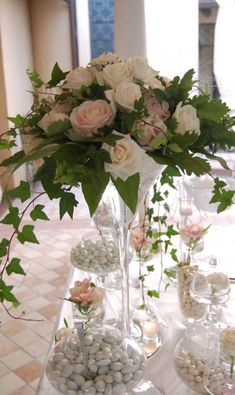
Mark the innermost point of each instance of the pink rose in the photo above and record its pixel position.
(138, 239)
(154, 107)
(90, 116)
(151, 132)
(192, 232)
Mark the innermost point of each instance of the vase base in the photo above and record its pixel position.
(146, 387)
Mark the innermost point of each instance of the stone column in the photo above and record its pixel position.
(129, 28)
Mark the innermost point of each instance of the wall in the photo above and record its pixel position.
(50, 35)
(16, 58)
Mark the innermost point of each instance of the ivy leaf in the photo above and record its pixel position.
(150, 268)
(13, 159)
(3, 247)
(153, 294)
(171, 274)
(94, 189)
(6, 294)
(128, 190)
(58, 127)
(5, 144)
(15, 267)
(57, 75)
(27, 234)
(67, 204)
(173, 255)
(12, 218)
(22, 192)
(18, 121)
(38, 213)
(35, 78)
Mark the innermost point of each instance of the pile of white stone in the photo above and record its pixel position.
(111, 368)
(191, 370)
(96, 256)
(215, 380)
(190, 308)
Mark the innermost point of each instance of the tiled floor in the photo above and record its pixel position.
(24, 344)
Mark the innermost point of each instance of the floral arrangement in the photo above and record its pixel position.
(192, 234)
(101, 123)
(86, 296)
(227, 343)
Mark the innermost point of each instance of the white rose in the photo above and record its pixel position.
(51, 117)
(155, 83)
(141, 69)
(187, 119)
(126, 157)
(105, 58)
(227, 340)
(78, 77)
(126, 94)
(113, 74)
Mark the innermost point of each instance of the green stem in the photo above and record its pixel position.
(232, 365)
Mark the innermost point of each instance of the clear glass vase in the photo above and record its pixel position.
(89, 315)
(189, 307)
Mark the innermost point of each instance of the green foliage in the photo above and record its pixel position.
(57, 76)
(38, 213)
(153, 293)
(67, 204)
(6, 294)
(58, 127)
(12, 217)
(4, 247)
(15, 267)
(21, 192)
(27, 234)
(35, 78)
(128, 190)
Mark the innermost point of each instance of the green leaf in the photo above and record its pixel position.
(184, 140)
(57, 75)
(3, 247)
(13, 159)
(18, 121)
(153, 294)
(38, 213)
(6, 294)
(173, 255)
(128, 190)
(171, 274)
(35, 78)
(22, 192)
(191, 164)
(4, 144)
(27, 234)
(150, 268)
(207, 109)
(94, 189)
(12, 218)
(58, 127)
(186, 84)
(15, 267)
(67, 204)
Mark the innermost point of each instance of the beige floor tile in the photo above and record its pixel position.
(43, 288)
(10, 382)
(37, 348)
(47, 276)
(49, 311)
(30, 372)
(6, 346)
(38, 302)
(44, 328)
(25, 337)
(13, 327)
(3, 369)
(35, 383)
(16, 359)
(25, 390)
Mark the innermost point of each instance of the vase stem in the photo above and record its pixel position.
(123, 238)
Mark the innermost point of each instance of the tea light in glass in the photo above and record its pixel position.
(186, 207)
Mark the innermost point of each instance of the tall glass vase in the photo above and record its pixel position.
(123, 217)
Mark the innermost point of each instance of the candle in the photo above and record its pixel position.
(149, 328)
(150, 348)
(186, 208)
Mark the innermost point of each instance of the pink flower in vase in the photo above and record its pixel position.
(192, 233)
(138, 239)
(85, 293)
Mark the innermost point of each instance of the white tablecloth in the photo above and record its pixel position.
(159, 368)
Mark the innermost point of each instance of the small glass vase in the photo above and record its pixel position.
(191, 356)
(189, 307)
(88, 314)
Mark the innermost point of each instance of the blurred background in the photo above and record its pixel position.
(173, 35)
